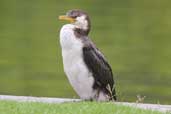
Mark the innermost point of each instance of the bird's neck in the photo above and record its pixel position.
(79, 32)
(68, 39)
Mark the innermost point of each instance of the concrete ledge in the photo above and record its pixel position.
(162, 108)
(37, 99)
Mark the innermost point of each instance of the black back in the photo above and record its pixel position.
(100, 69)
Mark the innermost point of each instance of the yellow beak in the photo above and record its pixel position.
(66, 18)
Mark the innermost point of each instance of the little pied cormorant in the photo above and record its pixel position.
(85, 66)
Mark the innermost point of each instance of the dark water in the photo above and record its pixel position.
(134, 35)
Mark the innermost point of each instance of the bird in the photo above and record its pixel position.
(85, 66)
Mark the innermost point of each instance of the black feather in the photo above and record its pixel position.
(101, 70)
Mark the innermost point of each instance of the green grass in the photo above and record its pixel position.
(12, 107)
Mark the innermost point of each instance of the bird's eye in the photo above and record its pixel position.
(74, 16)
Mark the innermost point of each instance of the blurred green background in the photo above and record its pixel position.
(134, 35)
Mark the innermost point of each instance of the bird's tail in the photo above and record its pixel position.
(114, 97)
(112, 93)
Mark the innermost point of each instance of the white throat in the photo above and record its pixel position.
(68, 39)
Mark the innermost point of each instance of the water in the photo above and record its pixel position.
(134, 35)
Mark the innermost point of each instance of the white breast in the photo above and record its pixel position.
(79, 76)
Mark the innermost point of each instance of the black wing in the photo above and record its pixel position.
(100, 69)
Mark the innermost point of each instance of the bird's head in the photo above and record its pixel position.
(79, 19)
